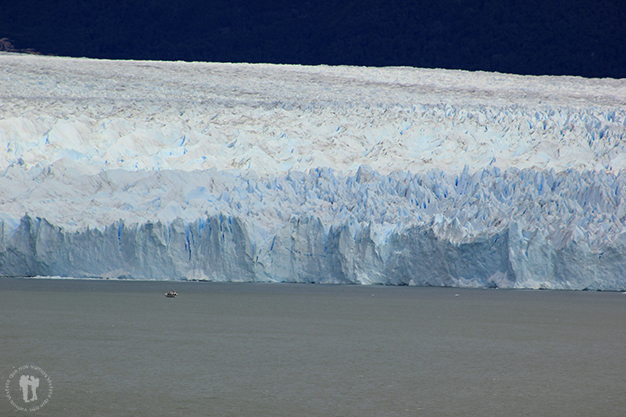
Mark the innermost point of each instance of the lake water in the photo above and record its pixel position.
(120, 348)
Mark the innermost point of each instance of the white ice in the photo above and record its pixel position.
(169, 170)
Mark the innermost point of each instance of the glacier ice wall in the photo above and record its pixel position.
(153, 170)
(494, 228)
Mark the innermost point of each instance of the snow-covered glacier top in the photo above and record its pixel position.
(166, 170)
(139, 115)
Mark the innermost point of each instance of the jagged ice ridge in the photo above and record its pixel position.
(236, 172)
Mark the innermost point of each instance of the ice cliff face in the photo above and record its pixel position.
(154, 170)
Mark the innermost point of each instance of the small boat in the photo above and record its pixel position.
(171, 294)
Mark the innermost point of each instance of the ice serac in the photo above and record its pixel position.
(272, 173)
(493, 228)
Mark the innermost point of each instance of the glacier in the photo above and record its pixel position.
(286, 173)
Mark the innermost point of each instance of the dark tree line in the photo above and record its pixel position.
(541, 37)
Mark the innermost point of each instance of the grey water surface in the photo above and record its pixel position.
(120, 348)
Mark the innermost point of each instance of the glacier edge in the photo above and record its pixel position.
(220, 248)
(163, 170)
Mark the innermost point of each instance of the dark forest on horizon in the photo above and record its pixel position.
(535, 37)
